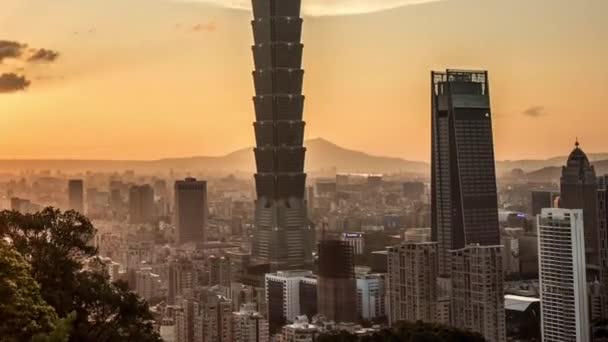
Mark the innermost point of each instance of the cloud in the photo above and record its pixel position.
(535, 111)
(326, 7)
(43, 55)
(206, 27)
(10, 83)
(11, 49)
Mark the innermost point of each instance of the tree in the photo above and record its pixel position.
(56, 244)
(23, 312)
(409, 332)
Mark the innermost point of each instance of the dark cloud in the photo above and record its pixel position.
(10, 83)
(535, 111)
(206, 27)
(11, 49)
(43, 55)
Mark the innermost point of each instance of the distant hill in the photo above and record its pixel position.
(553, 173)
(321, 155)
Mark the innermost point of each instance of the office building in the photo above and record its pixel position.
(477, 298)
(463, 177)
(541, 200)
(412, 282)
(249, 325)
(337, 286)
(578, 187)
(141, 204)
(76, 195)
(356, 241)
(190, 210)
(562, 281)
(281, 219)
(371, 294)
(283, 297)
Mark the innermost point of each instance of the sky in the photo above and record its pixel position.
(148, 79)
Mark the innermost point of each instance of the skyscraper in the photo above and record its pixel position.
(141, 203)
(463, 184)
(76, 195)
(562, 283)
(190, 210)
(412, 278)
(477, 291)
(281, 219)
(578, 188)
(336, 282)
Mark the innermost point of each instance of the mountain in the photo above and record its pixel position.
(321, 155)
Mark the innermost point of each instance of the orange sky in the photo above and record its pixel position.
(143, 79)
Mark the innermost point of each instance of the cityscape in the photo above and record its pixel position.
(300, 239)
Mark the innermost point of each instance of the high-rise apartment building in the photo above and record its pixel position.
(336, 282)
(212, 319)
(76, 195)
(141, 204)
(477, 298)
(249, 325)
(281, 222)
(190, 210)
(563, 286)
(463, 185)
(412, 282)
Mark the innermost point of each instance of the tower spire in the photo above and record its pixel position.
(576, 143)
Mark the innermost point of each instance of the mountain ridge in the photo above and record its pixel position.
(322, 156)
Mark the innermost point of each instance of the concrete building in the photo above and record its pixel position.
(356, 241)
(417, 235)
(191, 210)
(147, 284)
(477, 297)
(283, 297)
(371, 294)
(249, 325)
(76, 195)
(563, 288)
(212, 321)
(299, 331)
(412, 282)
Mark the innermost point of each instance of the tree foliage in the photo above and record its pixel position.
(23, 312)
(409, 332)
(56, 245)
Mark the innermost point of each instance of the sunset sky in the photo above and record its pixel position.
(147, 79)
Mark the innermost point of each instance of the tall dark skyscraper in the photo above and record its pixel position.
(463, 184)
(191, 210)
(141, 204)
(76, 195)
(280, 212)
(336, 282)
(579, 190)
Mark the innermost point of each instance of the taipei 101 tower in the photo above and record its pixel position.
(281, 222)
